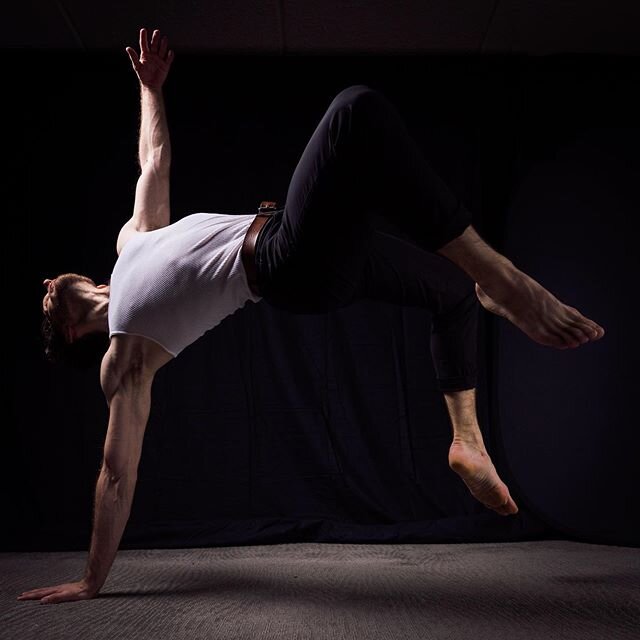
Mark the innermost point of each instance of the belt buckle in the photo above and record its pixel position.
(267, 206)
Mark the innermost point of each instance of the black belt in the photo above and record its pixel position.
(248, 251)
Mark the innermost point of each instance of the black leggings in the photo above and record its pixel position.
(322, 252)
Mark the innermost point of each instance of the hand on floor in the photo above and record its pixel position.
(60, 593)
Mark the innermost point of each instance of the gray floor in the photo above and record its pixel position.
(521, 590)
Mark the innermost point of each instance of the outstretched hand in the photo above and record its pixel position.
(154, 62)
(60, 593)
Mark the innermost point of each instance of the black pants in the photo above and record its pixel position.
(322, 251)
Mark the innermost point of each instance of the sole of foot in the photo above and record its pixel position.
(473, 464)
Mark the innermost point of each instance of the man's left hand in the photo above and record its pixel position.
(155, 60)
(61, 593)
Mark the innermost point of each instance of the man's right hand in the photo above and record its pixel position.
(154, 62)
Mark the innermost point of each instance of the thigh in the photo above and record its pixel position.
(312, 280)
(312, 254)
(323, 209)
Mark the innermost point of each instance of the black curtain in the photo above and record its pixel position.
(276, 427)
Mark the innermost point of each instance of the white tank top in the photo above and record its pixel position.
(173, 284)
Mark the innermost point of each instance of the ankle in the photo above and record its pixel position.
(470, 438)
(495, 277)
(483, 263)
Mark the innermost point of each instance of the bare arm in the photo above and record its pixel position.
(129, 408)
(154, 144)
(129, 398)
(152, 68)
(151, 209)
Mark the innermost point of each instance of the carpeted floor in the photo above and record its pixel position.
(522, 590)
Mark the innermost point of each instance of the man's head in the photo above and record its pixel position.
(75, 328)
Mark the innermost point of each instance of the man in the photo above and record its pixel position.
(173, 282)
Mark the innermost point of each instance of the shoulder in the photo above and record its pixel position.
(130, 356)
(127, 232)
(130, 230)
(120, 360)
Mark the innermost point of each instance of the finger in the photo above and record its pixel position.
(154, 40)
(36, 593)
(53, 599)
(163, 47)
(39, 592)
(144, 42)
(170, 57)
(133, 56)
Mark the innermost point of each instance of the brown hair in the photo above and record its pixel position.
(81, 353)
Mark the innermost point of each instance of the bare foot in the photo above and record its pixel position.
(528, 305)
(472, 463)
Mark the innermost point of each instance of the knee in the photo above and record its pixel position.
(356, 94)
(461, 301)
(466, 294)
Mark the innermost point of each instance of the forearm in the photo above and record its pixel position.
(112, 508)
(154, 141)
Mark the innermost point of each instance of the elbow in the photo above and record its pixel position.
(118, 484)
(120, 460)
(160, 159)
(115, 471)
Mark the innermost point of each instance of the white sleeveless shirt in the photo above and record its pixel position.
(173, 284)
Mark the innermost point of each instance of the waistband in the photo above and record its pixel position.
(250, 243)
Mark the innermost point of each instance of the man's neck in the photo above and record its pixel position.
(98, 319)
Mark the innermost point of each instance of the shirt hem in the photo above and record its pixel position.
(131, 333)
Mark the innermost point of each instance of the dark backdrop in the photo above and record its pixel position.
(280, 428)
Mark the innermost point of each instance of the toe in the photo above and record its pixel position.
(589, 327)
(595, 334)
(591, 330)
(508, 508)
(582, 335)
(569, 340)
(554, 338)
(575, 335)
